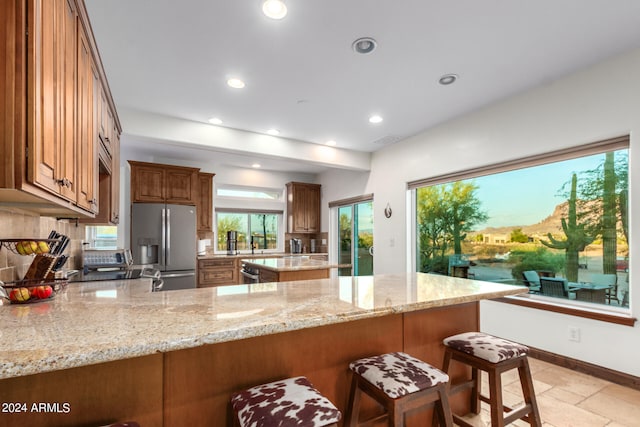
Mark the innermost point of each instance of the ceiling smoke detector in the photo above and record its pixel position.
(364, 45)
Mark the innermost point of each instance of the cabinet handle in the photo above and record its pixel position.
(93, 201)
(65, 182)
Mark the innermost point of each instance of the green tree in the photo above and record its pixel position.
(518, 236)
(445, 213)
(227, 223)
(603, 197)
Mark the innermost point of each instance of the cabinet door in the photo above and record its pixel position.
(312, 209)
(304, 208)
(115, 176)
(51, 75)
(204, 206)
(181, 185)
(147, 183)
(67, 66)
(87, 167)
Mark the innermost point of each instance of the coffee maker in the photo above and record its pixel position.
(296, 246)
(232, 242)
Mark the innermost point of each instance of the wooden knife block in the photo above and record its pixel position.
(41, 266)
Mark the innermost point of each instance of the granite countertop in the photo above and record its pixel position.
(96, 322)
(249, 255)
(292, 263)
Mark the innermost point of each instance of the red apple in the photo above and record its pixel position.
(44, 292)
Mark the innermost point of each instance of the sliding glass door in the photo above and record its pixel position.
(355, 230)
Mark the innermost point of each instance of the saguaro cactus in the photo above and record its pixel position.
(609, 234)
(576, 236)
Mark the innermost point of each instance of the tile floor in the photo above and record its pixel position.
(569, 399)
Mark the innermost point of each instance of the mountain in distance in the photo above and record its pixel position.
(551, 224)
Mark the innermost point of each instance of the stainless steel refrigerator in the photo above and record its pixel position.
(164, 236)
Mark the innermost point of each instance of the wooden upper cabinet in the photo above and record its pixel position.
(205, 201)
(87, 164)
(156, 183)
(115, 175)
(303, 208)
(47, 128)
(51, 75)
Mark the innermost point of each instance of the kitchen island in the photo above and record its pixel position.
(114, 351)
(285, 269)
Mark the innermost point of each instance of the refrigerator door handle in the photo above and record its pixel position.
(164, 237)
(168, 251)
(170, 275)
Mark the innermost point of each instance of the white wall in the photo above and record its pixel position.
(597, 103)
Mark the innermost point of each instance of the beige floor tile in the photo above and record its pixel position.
(562, 395)
(575, 382)
(618, 410)
(623, 393)
(564, 414)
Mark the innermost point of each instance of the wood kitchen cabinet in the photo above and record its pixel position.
(87, 176)
(303, 207)
(205, 202)
(217, 272)
(47, 149)
(157, 183)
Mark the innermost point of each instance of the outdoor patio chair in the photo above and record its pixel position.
(554, 287)
(608, 280)
(532, 280)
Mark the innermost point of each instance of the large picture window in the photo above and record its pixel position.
(558, 224)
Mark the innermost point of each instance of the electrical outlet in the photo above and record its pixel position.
(574, 334)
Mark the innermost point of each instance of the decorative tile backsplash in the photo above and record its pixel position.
(17, 224)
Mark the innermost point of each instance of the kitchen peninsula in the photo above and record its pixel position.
(284, 269)
(114, 351)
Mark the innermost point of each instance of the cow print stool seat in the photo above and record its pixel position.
(493, 355)
(286, 403)
(400, 383)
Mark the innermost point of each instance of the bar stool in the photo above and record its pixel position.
(493, 355)
(400, 383)
(289, 402)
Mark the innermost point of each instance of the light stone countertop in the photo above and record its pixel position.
(259, 254)
(293, 263)
(96, 322)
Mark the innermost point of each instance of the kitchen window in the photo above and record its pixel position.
(557, 223)
(102, 236)
(260, 227)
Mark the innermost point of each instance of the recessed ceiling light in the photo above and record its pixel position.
(364, 45)
(215, 121)
(235, 83)
(331, 143)
(274, 9)
(448, 79)
(273, 132)
(255, 165)
(375, 119)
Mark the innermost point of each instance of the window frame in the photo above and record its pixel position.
(618, 315)
(279, 233)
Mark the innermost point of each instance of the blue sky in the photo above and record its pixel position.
(527, 196)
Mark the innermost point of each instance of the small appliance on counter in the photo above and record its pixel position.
(296, 246)
(232, 242)
(106, 264)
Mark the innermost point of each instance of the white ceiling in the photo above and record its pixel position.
(302, 77)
